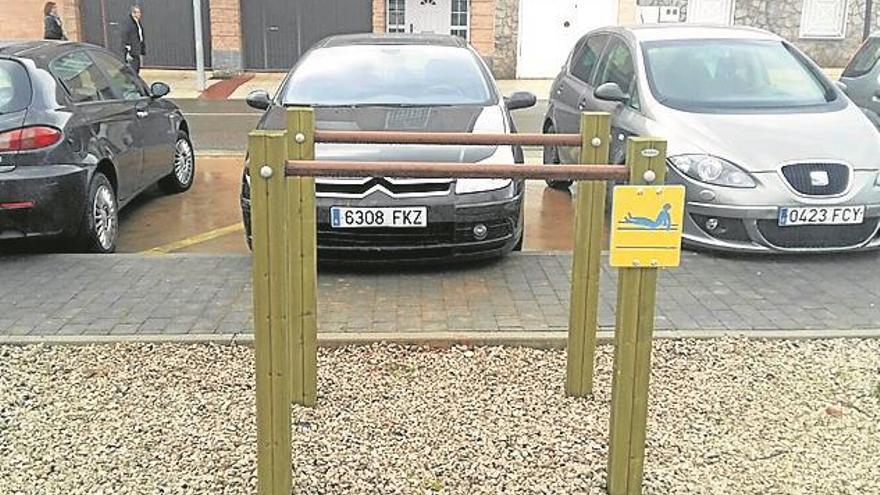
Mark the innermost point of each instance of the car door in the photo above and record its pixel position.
(109, 120)
(573, 84)
(156, 132)
(617, 65)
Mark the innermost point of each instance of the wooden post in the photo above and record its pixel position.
(636, 291)
(586, 259)
(302, 252)
(272, 362)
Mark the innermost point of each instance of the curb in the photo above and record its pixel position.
(538, 340)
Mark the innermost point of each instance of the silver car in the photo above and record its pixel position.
(774, 156)
(862, 78)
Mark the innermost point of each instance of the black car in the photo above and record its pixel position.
(417, 83)
(80, 136)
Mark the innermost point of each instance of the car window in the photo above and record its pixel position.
(584, 61)
(15, 87)
(617, 66)
(733, 74)
(389, 75)
(122, 78)
(865, 59)
(81, 77)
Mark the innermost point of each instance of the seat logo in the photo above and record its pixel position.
(819, 178)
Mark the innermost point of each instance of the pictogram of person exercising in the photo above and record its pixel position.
(662, 222)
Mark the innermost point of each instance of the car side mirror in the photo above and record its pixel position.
(611, 92)
(159, 90)
(259, 99)
(520, 100)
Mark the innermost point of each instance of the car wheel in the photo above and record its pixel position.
(181, 177)
(100, 225)
(551, 157)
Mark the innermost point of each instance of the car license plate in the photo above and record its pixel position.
(821, 215)
(347, 218)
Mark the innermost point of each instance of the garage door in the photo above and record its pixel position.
(278, 32)
(168, 29)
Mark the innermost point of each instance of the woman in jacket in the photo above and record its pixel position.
(52, 28)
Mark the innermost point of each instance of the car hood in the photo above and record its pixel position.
(761, 142)
(404, 119)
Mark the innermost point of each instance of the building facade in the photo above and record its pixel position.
(518, 38)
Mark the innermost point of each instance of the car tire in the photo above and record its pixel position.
(100, 224)
(184, 171)
(551, 157)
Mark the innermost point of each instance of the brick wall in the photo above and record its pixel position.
(626, 11)
(23, 19)
(226, 45)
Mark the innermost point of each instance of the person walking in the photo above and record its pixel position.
(134, 47)
(52, 28)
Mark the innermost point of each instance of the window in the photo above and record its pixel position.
(865, 60)
(123, 80)
(824, 19)
(459, 18)
(617, 66)
(396, 10)
(584, 61)
(81, 77)
(15, 87)
(731, 74)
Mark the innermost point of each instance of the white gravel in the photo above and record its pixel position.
(727, 417)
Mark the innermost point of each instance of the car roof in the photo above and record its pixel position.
(38, 50)
(392, 39)
(673, 32)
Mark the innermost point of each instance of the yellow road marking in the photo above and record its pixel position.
(193, 240)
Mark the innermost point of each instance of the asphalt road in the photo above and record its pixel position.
(222, 126)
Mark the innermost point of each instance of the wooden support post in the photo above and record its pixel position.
(588, 236)
(636, 292)
(302, 252)
(267, 151)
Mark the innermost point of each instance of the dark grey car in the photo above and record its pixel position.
(80, 136)
(404, 83)
(862, 78)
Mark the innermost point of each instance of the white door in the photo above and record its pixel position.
(548, 30)
(428, 16)
(711, 11)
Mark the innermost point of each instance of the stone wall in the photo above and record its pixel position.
(23, 19)
(783, 17)
(506, 38)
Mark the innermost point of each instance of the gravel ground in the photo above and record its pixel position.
(727, 417)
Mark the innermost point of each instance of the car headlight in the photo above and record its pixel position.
(503, 154)
(712, 170)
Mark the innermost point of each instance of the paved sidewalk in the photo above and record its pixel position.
(201, 294)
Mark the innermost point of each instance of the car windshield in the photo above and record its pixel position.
(390, 75)
(731, 74)
(865, 59)
(15, 87)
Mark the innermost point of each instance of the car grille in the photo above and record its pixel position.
(437, 233)
(801, 177)
(358, 190)
(817, 236)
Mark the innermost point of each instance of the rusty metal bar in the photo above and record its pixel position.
(454, 138)
(424, 170)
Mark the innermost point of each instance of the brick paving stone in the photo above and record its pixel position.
(126, 294)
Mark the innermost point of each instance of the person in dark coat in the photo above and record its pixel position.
(134, 47)
(52, 28)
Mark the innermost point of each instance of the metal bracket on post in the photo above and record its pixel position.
(636, 295)
(302, 252)
(586, 258)
(267, 152)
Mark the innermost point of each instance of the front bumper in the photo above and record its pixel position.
(58, 193)
(746, 220)
(449, 234)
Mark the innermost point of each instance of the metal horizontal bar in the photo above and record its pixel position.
(308, 168)
(455, 138)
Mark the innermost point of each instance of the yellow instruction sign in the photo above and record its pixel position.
(646, 224)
